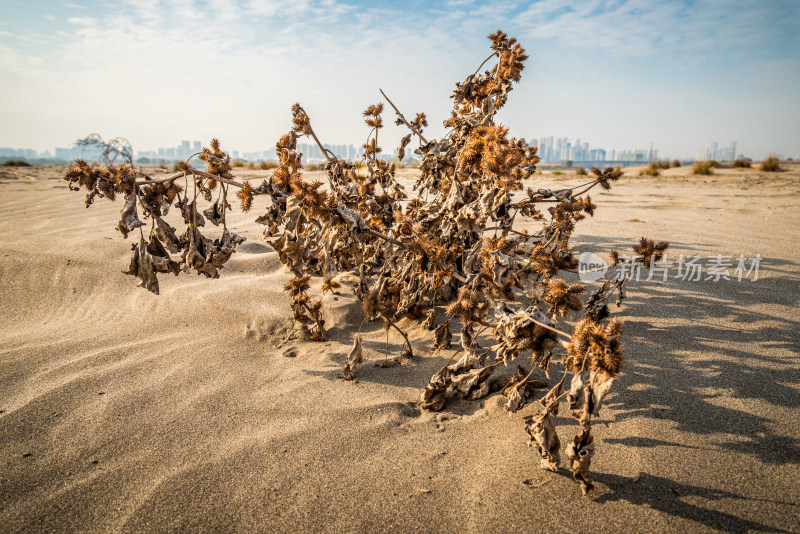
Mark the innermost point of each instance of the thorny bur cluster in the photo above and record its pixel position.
(449, 246)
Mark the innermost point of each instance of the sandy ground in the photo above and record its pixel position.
(125, 411)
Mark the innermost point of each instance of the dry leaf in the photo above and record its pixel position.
(166, 234)
(442, 335)
(190, 214)
(600, 383)
(129, 220)
(215, 214)
(354, 360)
(580, 451)
(430, 320)
(543, 435)
(159, 256)
(553, 394)
(142, 267)
(473, 383)
(580, 398)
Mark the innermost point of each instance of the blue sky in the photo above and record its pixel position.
(618, 74)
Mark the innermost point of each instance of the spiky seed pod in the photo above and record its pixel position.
(606, 347)
(330, 285)
(563, 298)
(172, 191)
(245, 194)
(374, 110)
(300, 121)
(606, 176)
(578, 345)
(650, 251)
(298, 285)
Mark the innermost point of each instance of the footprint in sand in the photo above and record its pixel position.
(440, 419)
(263, 331)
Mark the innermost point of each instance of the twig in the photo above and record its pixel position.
(413, 128)
(405, 336)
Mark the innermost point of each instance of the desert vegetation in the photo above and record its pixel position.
(653, 169)
(16, 163)
(703, 167)
(448, 253)
(771, 164)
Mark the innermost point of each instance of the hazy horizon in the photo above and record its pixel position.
(616, 74)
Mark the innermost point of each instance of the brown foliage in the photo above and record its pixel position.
(451, 245)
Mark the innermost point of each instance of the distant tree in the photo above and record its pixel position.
(568, 163)
(16, 163)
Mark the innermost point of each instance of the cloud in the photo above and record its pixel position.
(82, 21)
(233, 67)
(647, 28)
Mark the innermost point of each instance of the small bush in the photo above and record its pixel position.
(16, 163)
(580, 171)
(557, 173)
(714, 163)
(652, 170)
(771, 164)
(742, 163)
(664, 164)
(703, 167)
(238, 163)
(676, 162)
(266, 165)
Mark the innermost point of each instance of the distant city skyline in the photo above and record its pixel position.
(551, 150)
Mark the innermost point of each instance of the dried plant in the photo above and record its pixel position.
(771, 164)
(450, 244)
(703, 167)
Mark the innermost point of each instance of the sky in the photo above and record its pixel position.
(617, 74)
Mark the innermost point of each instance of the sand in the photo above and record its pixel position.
(195, 410)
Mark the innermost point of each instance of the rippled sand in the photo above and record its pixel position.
(195, 409)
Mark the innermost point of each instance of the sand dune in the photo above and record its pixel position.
(201, 409)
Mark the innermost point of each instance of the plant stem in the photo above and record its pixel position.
(405, 336)
(414, 129)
